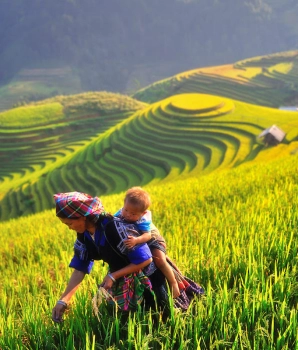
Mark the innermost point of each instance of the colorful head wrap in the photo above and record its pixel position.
(76, 204)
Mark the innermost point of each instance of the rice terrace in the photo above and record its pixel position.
(225, 201)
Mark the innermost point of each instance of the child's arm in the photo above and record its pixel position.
(131, 241)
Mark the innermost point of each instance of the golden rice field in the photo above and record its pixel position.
(226, 205)
(269, 80)
(104, 144)
(233, 231)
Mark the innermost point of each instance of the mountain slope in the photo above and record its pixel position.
(104, 42)
(181, 136)
(234, 232)
(39, 138)
(266, 80)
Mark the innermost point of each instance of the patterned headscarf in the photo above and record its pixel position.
(76, 204)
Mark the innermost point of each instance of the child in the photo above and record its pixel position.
(136, 203)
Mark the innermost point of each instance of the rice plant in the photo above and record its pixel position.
(233, 231)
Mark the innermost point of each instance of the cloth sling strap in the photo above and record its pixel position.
(103, 231)
(103, 226)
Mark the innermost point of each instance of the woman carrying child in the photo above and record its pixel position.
(132, 278)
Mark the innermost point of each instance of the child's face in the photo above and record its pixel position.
(131, 212)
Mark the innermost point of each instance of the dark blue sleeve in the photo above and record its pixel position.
(81, 265)
(139, 254)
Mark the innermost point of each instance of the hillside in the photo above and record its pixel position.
(235, 232)
(266, 80)
(34, 84)
(38, 138)
(224, 201)
(107, 43)
(103, 143)
(181, 136)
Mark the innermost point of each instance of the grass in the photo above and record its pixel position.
(38, 84)
(233, 231)
(160, 142)
(32, 115)
(254, 80)
(43, 135)
(225, 204)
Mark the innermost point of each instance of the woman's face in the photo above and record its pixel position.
(78, 225)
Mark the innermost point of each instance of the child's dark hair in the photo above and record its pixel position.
(138, 197)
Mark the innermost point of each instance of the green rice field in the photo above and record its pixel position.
(233, 231)
(224, 201)
(102, 148)
(265, 81)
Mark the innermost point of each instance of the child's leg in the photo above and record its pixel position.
(160, 261)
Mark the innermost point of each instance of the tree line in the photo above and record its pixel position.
(105, 40)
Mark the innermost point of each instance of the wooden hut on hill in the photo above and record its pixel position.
(289, 108)
(272, 136)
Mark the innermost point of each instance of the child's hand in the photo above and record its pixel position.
(130, 242)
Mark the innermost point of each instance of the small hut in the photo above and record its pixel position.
(272, 136)
(289, 108)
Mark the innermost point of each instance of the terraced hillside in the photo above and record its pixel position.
(39, 138)
(267, 81)
(38, 84)
(181, 136)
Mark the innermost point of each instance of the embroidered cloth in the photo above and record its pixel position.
(76, 204)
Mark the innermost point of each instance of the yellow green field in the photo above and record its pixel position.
(226, 204)
(234, 231)
(265, 81)
(102, 151)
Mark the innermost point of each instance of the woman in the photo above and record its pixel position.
(132, 277)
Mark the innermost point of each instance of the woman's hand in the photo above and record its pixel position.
(57, 312)
(61, 305)
(107, 282)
